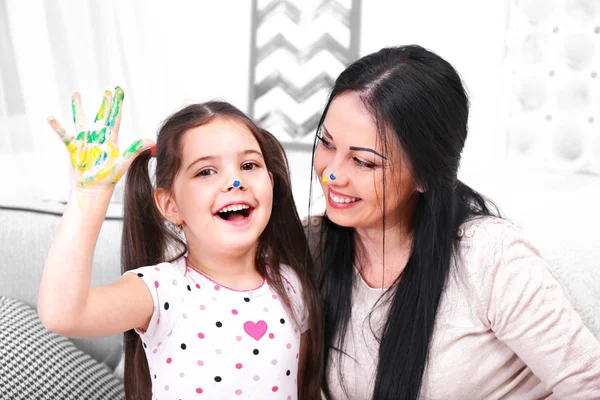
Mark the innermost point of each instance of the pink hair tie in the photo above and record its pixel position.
(153, 151)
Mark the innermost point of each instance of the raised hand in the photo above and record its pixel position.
(95, 155)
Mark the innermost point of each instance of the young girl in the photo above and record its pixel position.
(217, 299)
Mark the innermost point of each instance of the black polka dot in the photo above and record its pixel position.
(217, 379)
(154, 376)
(247, 299)
(282, 321)
(255, 352)
(145, 345)
(166, 305)
(287, 373)
(183, 346)
(189, 288)
(140, 275)
(219, 324)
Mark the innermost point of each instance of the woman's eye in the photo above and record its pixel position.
(363, 164)
(206, 172)
(327, 144)
(249, 165)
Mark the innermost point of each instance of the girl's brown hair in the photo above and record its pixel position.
(148, 239)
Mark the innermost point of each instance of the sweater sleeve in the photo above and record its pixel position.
(529, 312)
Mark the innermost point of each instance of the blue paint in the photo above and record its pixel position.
(236, 183)
(332, 177)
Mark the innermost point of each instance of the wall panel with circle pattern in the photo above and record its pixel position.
(553, 88)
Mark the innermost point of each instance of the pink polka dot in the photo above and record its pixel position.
(238, 366)
(289, 398)
(169, 360)
(158, 321)
(199, 391)
(200, 363)
(156, 268)
(234, 312)
(202, 307)
(217, 287)
(198, 285)
(238, 392)
(271, 335)
(275, 296)
(154, 351)
(238, 338)
(274, 388)
(296, 355)
(289, 346)
(155, 284)
(201, 335)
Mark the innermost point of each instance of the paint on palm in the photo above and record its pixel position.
(94, 153)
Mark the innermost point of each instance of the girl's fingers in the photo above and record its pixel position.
(62, 132)
(134, 150)
(104, 109)
(78, 114)
(113, 122)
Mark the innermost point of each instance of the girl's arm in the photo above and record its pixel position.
(66, 303)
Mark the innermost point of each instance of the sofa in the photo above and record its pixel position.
(34, 362)
(561, 214)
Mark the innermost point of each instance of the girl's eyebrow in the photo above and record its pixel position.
(241, 153)
(354, 148)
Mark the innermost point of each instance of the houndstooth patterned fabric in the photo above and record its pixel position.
(38, 364)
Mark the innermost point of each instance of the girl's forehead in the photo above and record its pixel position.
(219, 135)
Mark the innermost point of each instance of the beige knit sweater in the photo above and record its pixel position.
(504, 329)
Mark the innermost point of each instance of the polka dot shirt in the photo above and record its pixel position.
(206, 341)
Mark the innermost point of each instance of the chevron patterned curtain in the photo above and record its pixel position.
(298, 49)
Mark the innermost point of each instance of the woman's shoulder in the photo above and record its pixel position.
(488, 230)
(491, 244)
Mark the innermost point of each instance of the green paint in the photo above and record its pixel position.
(74, 110)
(102, 136)
(134, 148)
(116, 106)
(81, 135)
(97, 136)
(102, 109)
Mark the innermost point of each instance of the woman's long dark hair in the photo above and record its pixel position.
(148, 240)
(418, 102)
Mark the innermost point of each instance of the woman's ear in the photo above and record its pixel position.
(167, 206)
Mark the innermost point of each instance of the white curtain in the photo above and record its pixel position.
(163, 54)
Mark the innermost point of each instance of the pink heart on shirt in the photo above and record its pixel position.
(255, 330)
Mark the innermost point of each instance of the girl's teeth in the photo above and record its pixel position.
(235, 207)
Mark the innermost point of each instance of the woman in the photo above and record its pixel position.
(428, 292)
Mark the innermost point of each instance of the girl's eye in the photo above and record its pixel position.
(363, 164)
(206, 172)
(327, 144)
(249, 165)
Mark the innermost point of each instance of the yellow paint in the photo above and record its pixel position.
(324, 179)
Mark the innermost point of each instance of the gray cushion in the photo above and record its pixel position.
(38, 364)
(26, 233)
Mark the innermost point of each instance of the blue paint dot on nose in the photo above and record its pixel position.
(332, 177)
(236, 183)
